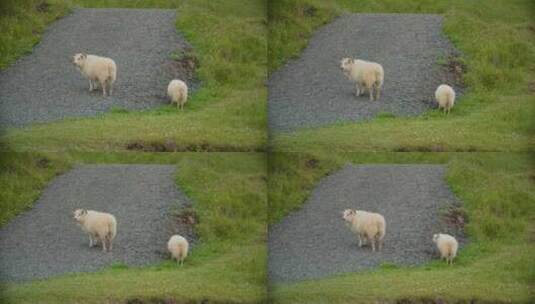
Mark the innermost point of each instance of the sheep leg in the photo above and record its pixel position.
(90, 85)
(378, 93)
(380, 244)
(110, 244)
(110, 88)
(371, 93)
(373, 244)
(362, 240)
(103, 84)
(90, 241)
(103, 240)
(357, 90)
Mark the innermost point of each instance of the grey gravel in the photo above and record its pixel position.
(46, 241)
(312, 91)
(314, 242)
(45, 86)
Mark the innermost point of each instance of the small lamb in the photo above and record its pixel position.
(178, 92)
(99, 226)
(366, 225)
(98, 70)
(445, 96)
(178, 247)
(367, 76)
(447, 245)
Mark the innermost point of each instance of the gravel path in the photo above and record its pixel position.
(312, 91)
(45, 85)
(314, 242)
(46, 241)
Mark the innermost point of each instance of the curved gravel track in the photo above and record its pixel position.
(314, 242)
(46, 241)
(45, 86)
(312, 91)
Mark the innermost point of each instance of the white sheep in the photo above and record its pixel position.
(366, 75)
(445, 96)
(368, 226)
(178, 92)
(178, 247)
(447, 245)
(99, 226)
(97, 69)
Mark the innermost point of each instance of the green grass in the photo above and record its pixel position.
(22, 22)
(228, 265)
(226, 114)
(497, 266)
(497, 41)
(22, 177)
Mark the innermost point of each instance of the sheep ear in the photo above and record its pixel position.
(84, 211)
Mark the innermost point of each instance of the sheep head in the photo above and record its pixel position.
(345, 63)
(348, 215)
(80, 214)
(79, 59)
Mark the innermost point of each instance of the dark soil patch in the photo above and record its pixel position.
(43, 162)
(312, 163)
(171, 146)
(43, 7)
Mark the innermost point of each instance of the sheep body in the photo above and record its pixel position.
(447, 245)
(99, 226)
(178, 92)
(367, 75)
(97, 69)
(178, 247)
(445, 96)
(368, 226)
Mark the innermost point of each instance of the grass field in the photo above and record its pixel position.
(495, 114)
(228, 265)
(226, 114)
(497, 265)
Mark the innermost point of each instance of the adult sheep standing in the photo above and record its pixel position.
(178, 92)
(178, 247)
(368, 226)
(445, 96)
(97, 69)
(99, 226)
(447, 245)
(367, 75)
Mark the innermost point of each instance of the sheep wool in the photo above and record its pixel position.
(445, 96)
(99, 226)
(366, 75)
(99, 70)
(178, 92)
(368, 226)
(447, 246)
(178, 247)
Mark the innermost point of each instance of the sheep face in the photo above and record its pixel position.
(348, 215)
(345, 63)
(79, 59)
(80, 214)
(435, 237)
